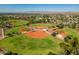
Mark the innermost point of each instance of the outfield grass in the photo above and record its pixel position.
(45, 25)
(18, 22)
(72, 32)
(26, 45)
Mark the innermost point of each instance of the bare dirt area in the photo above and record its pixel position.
(37, 34)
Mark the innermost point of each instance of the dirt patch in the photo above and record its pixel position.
(37, 34)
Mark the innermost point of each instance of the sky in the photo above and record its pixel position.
(5, 8)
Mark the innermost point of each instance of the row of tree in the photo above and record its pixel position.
(66, 20)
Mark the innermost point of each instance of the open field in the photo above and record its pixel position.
(26, 45)
(43, 25)
(29, 36)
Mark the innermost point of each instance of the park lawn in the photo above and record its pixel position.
(12, 30)
(22, 44)
(25, 45)
(41, 24)
(72, 32)
(18, 22)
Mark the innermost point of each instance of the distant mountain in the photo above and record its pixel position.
(50, 12)
(42, 12)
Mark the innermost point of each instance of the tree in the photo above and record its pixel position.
(11, 53)
(66, 47)
(54, 33)
(60, 26)
(70, 45)
(50, 53)
(73, 26)
(67, 38)
(3, 20)
(75, 45)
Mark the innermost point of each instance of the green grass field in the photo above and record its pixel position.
(22, 44)
(26, 45)
(18, 22)
(45, 25)
(72, 32)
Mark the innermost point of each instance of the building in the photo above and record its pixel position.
(61, 35)
(1, 33)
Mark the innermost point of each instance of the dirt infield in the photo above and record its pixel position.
(37, 34)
